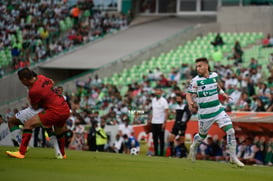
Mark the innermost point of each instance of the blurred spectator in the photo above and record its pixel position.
(124, 127)
(96, 81)
(235, 94)
(218, 41)
(180, 149)
(237, 52)
(270, 60)
(1, 120)
(210, 150)
(263, 92)
(231, 81)
(271, 41)
(77, 140)
(117, 147)
(260, 143)
(151, 76)
(91, 139)
(270, 105)
(259, 106)
(266, 41)
(253, 63)
(101, 137)
(174, 75)
(243, 101)
(130, 142)
(9, 114)
(185, 71)
(269, 152)
(163, 82)
(157, 73)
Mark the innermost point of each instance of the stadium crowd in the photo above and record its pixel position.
(32, 31)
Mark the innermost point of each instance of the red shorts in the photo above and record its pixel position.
(51, 118)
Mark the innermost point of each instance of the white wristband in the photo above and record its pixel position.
(221, 91)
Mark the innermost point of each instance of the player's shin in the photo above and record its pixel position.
(27, 133)
(231, 142)
(197, 139)
(54, 142)
(61, 142)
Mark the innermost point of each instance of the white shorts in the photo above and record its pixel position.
(26, 114)
(222, 119)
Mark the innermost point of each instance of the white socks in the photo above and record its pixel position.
(54, 142)
(197, 139)
(231, 142)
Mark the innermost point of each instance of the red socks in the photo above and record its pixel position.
(61, 142)
(27, 133)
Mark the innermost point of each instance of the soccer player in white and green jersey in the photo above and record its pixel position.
(206, 89)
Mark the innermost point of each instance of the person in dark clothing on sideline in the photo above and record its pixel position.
(183, 115)
(92, 137)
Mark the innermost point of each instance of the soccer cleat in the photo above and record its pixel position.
(15, 154)
(236, 161)
(59, 156)
(192, 154)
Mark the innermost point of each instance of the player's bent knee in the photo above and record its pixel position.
(32, 122)
(28, 125)
(13, 121)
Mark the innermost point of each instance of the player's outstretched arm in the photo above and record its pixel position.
(189, 100)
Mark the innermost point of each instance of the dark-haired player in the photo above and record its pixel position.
(56, 111)
(206, 89)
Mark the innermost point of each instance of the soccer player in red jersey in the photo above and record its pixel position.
(56, 110)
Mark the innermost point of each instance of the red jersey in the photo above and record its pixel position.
(42, 93)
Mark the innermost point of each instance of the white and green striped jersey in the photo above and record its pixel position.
(207, 95)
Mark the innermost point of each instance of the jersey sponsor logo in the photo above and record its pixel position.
(208, 93)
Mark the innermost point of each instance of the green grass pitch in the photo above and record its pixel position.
(41, 165)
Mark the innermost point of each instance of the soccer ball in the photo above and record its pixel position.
(133, 151)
